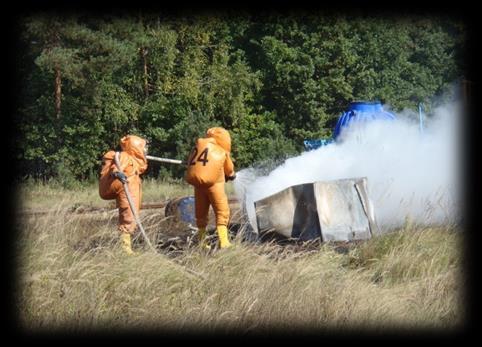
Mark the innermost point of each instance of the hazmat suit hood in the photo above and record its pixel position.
(221, 136)
(135, 147)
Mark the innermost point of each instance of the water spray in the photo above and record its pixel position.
(412, 166)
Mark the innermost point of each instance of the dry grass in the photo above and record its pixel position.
(74, 276)
(41, 195)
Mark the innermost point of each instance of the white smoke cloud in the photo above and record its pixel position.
(411, 173)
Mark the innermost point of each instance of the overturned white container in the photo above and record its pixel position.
(338, 210)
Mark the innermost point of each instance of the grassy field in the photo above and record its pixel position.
(72, 275)
(41, 195)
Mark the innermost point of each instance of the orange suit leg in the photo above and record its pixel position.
(201, 202)
(219, 200)
(127, 223)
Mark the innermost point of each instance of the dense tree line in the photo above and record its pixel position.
(272, 80)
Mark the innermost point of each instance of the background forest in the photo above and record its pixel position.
(272, 80)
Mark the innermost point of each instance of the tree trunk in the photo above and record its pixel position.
(58, 91)
(143, 52)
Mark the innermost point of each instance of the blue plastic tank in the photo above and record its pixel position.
(361, 111)
(183, 208)
(314, 144)
(186, 207)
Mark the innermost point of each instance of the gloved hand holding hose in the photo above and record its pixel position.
(230, 178)
(120, 176)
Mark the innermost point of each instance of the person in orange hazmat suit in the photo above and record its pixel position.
(208, 167)
(133, 163)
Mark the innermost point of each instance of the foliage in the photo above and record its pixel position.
(260, 138)
(271, 80)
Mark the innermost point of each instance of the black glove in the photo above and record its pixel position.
(230, 178)
(120, 176)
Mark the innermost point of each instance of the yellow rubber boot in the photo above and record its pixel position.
(126, 243)
(222, 231)
(202, 238)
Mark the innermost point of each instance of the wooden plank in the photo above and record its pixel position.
(88, 209)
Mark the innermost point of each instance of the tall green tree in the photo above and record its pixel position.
(272, 80)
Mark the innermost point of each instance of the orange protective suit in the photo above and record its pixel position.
(208, 165)
(133, 163)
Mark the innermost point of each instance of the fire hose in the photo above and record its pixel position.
(131, 204)
(136, 217)
(164, 160)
